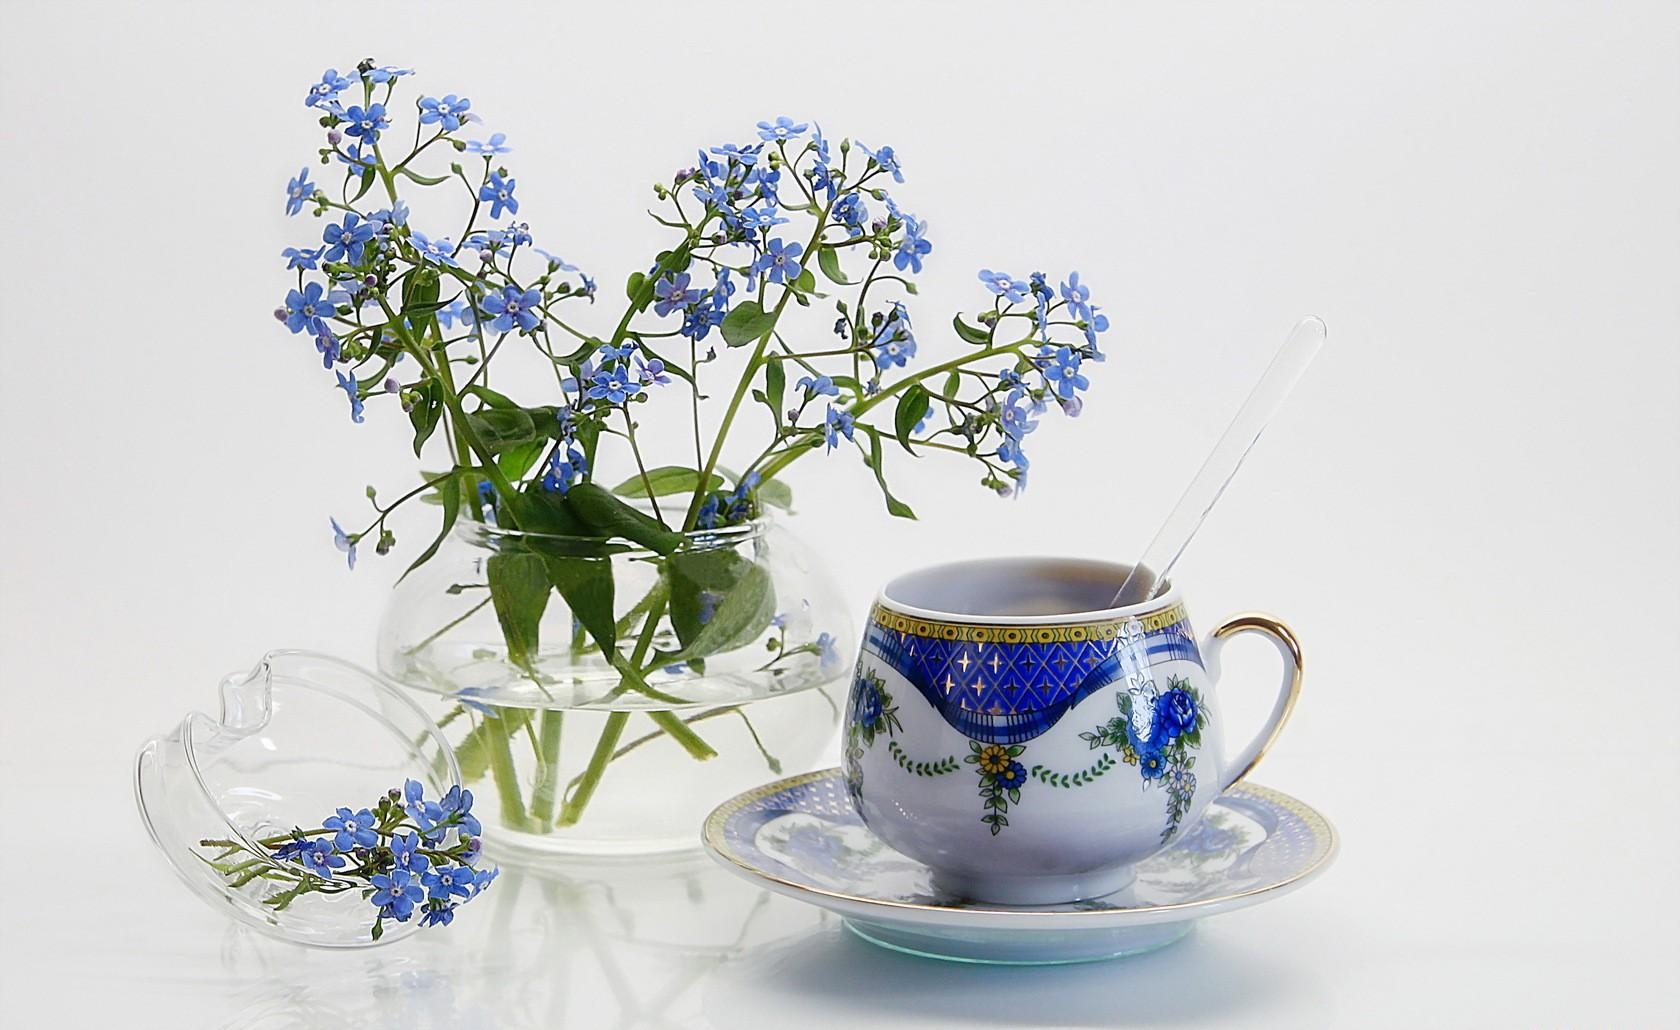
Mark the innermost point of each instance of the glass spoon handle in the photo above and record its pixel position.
(1268, 395)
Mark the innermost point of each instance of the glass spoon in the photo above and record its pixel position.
(1268, 395)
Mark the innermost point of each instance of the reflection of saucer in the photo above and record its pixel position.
(800, 837)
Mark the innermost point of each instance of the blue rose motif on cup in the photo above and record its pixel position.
(1176, 711)
(1164, 750)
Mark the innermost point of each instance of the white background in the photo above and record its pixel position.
(1468, 512)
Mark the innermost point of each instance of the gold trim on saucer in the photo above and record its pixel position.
(991, 633)
(1325, 844)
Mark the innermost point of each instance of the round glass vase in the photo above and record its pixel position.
(724, 672)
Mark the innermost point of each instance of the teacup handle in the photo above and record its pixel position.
(1289, 649)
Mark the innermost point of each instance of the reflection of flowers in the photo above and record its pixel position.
(1207, 839)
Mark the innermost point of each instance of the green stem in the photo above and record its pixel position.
(590, 779)
(572, 810)
(547, 788)
(745, 384)
(506, 773)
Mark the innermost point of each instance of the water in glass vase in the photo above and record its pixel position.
(723, 671)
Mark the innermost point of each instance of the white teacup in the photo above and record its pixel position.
(1030, 744)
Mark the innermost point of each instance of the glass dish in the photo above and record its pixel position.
(298, 736)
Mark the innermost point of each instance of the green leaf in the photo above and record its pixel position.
(518, 459)
(775, 387)
(427, 410)
(806, 283)
(519, 588)
(775, 493)
(666, 480)
(491, 397)
(367, 184)
(424, 180)
(633, 286)
(720, 601)
(969, 333)
(587, 586)
(502, 428)
(449, 493)
(894, 505)
(420, 294)
(747, 323)
(608, 516)
(953, 383)
(828, 259)
(913, 406)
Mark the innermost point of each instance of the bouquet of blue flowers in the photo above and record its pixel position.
(764, 235)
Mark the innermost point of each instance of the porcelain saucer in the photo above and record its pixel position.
(800, 837)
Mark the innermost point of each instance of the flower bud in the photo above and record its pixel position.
(334, 137)
(391, 386)
(280, 314)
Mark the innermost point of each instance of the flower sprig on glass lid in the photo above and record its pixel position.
(407, 856)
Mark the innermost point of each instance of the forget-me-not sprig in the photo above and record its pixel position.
(613, 385)
(1005, 285)
(359, 162)
(396, 893)
(440, 251)
(851, 212)
(352, 829)
(329, 346)
(651, 371)
(496, 144)
(374, 855)
(446, 882)
(347, 241)
(456, 804)
(344, 542)
(387, 218)
(327, 90)
(319, 857)
(885, 159)
(448, 112)
(406, 852)
(299, 190)
(366, 123)
(386, 73)
(305, 309)
(913, 246)
(347, 383)
(837, 423)
(513, 308)
(498, 193)
(783, 128)
(821, 386)
(1077, 296)
(565, 466)
(780, 261)
(1062, 372)
(894, 343)
(673, 293)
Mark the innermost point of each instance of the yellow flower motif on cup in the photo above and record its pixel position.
(994, 759)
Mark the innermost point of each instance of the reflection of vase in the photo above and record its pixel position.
(732, 642)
